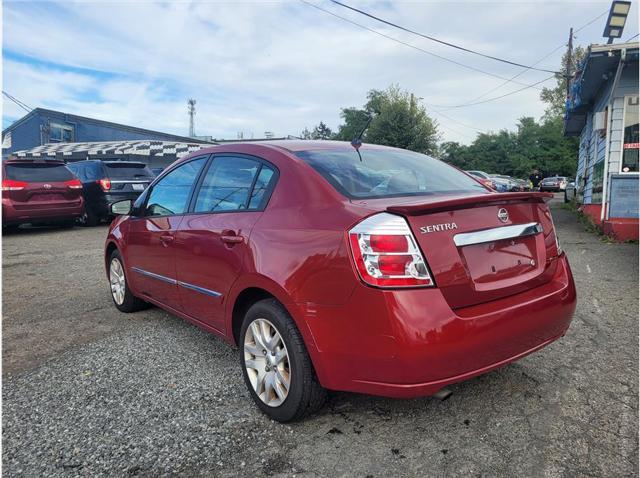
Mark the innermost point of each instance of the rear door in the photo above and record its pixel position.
(150, 253)
(482, 249)
(213, 239)
(40, 185)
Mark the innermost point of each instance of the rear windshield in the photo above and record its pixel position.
(388, 173)
(128, 171)
(38, 172)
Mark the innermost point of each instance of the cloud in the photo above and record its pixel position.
(273, 66)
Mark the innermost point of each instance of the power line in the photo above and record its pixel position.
(22, 105)
(474, 100)
(448, 107)
(452, 45)
(359, 25)
(634, 36)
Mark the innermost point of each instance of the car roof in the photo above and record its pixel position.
(33, 161)
(292, 146)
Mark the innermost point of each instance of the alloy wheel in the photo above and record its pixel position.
(267, 362)
(117, 281)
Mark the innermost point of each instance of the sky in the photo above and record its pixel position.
(281, 66)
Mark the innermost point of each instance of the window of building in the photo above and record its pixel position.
(227, 184)
(631, 139)
(59, 133)
(170, 195)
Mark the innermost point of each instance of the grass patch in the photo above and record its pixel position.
(586, 221)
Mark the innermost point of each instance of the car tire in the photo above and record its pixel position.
(304, 394)
(122, 297)
(89, 218)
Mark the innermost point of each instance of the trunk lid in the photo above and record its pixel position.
(481, 248)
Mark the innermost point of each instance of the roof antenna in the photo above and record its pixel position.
(357, 141)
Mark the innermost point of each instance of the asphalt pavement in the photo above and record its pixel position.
(88, 391)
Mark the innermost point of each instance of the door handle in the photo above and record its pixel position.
(166, 239)
(230, 237)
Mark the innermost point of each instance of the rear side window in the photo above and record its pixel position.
(388, 173)
(128, 171)
(170, 195)
(228, 182)
(38, 172)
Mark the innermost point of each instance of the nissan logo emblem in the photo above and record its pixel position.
(503, 215)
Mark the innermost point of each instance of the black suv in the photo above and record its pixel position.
(106, 182)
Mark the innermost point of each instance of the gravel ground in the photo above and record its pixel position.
(91, 392)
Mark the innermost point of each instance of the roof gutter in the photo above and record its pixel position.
(605, 177)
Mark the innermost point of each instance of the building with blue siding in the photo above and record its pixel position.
(42, 126)
(603, 110)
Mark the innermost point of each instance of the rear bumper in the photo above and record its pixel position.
(410, 343)
(11, 215)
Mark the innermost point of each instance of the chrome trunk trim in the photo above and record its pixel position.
(497, 234)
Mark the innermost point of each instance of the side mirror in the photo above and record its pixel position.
(122, 208)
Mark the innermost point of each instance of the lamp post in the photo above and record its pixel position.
(617, 18)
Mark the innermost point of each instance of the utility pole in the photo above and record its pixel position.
(191, 105)
(569, 61)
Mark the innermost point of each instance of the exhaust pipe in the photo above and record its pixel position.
(443, 394)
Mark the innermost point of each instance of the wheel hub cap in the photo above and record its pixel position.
(117, 281)
(267, 362)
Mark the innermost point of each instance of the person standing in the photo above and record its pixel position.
(535, 178)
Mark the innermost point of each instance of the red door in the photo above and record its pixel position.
(213, 240)
(210, 249)
(151, 258)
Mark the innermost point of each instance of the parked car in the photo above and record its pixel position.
(394, 274)
(509, 184)
(106, 182)
(524, 184)
(553, 183)
(570, 191)
(39, 192)
(484, 178)
(157, 171)
(503, 185)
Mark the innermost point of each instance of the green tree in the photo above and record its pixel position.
(397, 120)
(320, 131)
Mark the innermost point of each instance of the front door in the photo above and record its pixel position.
(150, 253)
(213, 240)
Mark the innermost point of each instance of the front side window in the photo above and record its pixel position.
(388, 173)
(170, 195)
(228, 183)
(631, 138)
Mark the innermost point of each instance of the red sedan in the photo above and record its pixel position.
(385, 272)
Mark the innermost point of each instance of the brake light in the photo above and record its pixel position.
(386, 253)
(13, 185)
(105, 184)
(74, 184)
(488, 183)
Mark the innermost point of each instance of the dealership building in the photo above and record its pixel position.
(48, 134)
(602, 110)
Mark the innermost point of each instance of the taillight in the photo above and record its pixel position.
(488, 183)
(105, 184)
(13, 185)
(74, 184)
(386, 253)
